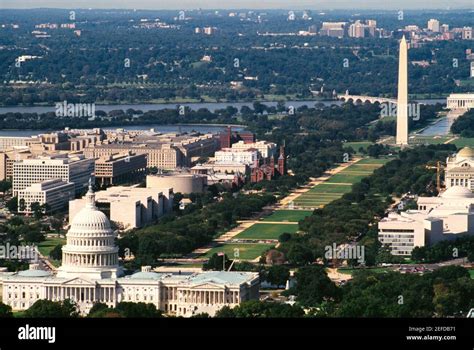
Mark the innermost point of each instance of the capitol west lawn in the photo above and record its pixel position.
(247, 251)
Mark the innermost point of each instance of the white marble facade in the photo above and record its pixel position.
(460, 169)
(91, 273)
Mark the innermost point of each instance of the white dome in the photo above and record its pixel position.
(466, 152)
(90, 249)
(457, 192)
(90, 219)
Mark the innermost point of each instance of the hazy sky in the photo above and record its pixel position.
(225, 4)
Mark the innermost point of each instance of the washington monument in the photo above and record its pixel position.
(402, 102)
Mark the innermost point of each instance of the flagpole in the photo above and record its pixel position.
(223, 262)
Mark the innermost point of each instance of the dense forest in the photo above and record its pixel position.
(444, 250)
(464, 125)
(119, 58)
(446, 292)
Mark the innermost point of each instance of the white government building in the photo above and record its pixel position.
(129, 207)
(69, 168)
(448, 216)
(56, 193)
(265, 149)
(460, 169)
(231, 155)
(90, 273)
(460, 101)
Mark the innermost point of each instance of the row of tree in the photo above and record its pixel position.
(44, 308)
(446, 292)
(445, 250)
(464, 125)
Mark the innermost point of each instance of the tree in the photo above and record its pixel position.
(97, 307)
(5, 185)
(5, 311)
(418, 254)
(448, 299)
(12, 204)
(257, 309)
(300, 255)
(56, 253)
(50, 309)
(225, 312)
(33, 234)
(36, 209)
(372, 294)
(45, 208)
(470, 256)
(143, 310)
(313, 286)
(384, 255)
(152, 170)
(21, 205)
(216, 262)
(101, 310)
(284, 237)
(449, 273)
(278, 275)
(57, 222)
(464, 125)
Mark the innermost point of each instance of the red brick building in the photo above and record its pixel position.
(227, 138)
(267, 171)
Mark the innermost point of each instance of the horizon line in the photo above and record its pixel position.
(240, 9)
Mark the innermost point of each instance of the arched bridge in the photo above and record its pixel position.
(363, 99)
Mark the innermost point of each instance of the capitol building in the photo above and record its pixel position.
(90, 273)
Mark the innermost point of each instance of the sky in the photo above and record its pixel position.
(240, 4)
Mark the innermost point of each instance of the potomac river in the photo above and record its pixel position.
(211, 106)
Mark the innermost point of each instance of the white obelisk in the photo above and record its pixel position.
(402, 103)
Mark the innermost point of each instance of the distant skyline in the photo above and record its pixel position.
(240, 4)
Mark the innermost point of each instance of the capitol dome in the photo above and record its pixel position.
(466, 152)
(90, 248)
(90, 219)
(457, 192)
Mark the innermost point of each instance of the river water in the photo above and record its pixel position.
(211, 106)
